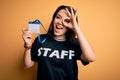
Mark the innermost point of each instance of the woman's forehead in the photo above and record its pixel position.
(63, 13)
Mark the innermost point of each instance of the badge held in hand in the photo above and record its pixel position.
(34, 26)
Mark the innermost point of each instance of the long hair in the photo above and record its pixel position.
(70, 34)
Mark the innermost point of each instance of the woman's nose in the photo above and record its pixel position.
(60, 21)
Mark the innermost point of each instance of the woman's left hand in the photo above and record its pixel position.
(71, 20)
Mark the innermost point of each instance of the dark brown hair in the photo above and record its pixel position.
(70, 34)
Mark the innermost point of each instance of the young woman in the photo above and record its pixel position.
(57, 56)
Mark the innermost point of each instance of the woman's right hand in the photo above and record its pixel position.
(27, 37)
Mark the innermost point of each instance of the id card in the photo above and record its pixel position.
(34, 26)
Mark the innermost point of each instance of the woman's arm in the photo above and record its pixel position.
(27, 37)
(87, 52)
(27, 59)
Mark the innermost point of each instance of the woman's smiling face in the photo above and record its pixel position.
(59, 28)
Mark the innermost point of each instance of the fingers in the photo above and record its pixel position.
(27, 35)
(71, 20)
(25, 30)
(76, 13)
(67, 22)
(71, 13)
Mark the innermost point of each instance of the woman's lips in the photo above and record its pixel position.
(58, 28)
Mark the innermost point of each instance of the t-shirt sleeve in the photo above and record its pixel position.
(79, 52)
(34, 51)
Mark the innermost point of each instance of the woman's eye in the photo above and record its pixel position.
(67, 20)
(58, 17)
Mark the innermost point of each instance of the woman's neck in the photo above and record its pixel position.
(60, 38)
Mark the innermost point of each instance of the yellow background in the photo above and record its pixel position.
(99, 20)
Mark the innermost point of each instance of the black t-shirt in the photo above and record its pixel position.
(56, 60)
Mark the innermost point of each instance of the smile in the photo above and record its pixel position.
(59, 27)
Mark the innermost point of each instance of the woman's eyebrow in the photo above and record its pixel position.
(58, 15)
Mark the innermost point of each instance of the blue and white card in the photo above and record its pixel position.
(34, 26)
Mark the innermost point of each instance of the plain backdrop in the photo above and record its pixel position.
(98, 19)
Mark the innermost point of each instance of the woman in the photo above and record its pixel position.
(57, 56)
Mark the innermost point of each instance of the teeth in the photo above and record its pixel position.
(58, 27)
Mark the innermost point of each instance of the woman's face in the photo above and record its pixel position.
(59, 27)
